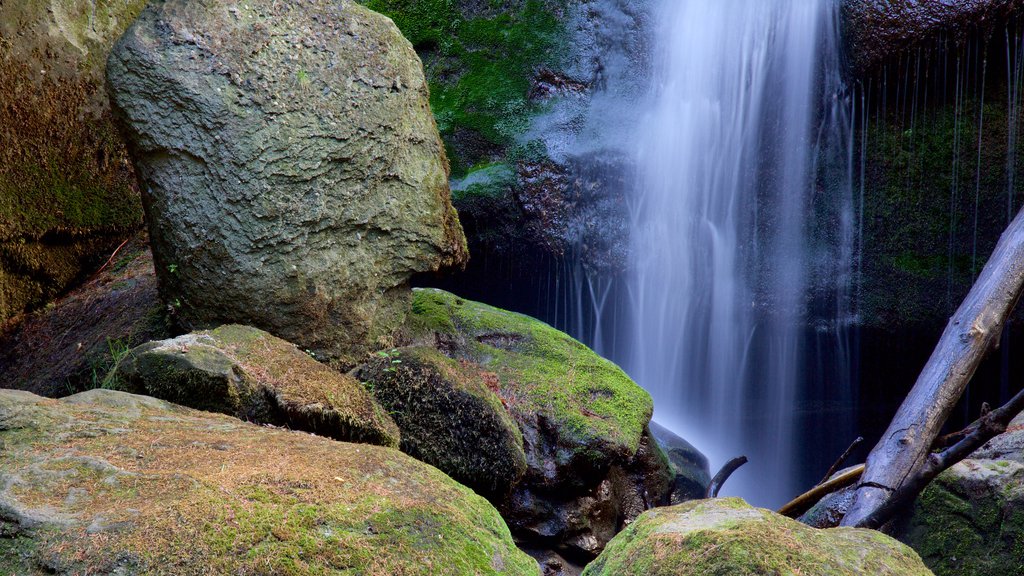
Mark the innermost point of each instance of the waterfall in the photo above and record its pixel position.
(743, 231)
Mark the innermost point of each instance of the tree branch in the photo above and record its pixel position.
(807, 500)
(716, 483)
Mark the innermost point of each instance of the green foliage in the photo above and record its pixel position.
(104, 370)
(480, 67)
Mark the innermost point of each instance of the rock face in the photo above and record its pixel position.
(591, 464)
(449, 417)
(67, 191)
(878, 29)
(111, 483)
(298, 179)
(970, 520)
(245, 372)
(728, 537)
(689, 467)
(74, 343)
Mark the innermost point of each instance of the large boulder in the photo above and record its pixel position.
(67, 191)
(449, 416)
(591, 464)
(111, 483)
(73, 343)
(728, 537)
(293, 171)
(970, 520)
(248, 373)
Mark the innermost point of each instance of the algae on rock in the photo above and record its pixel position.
(248, 373)
(449, 416)
(727, 537)
(67, 190)
(112, 483)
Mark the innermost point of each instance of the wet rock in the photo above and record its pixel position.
(172, 490)
(250, 374)
(298, 180)
(877, 29)
(690, 472)
(727, 536)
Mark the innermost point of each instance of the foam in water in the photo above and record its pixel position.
(728, 258)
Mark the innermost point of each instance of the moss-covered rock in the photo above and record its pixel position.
(970, 520)
(67, 191)
(110, 483)
(550, 381)
(727, 537)
(449, 416)
(591, 466)
(255, 376)
(73, 343)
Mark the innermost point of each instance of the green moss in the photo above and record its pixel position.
(480, 67)
(921, 187)
(726, 537)
(960, 531)
(542, 372)
(449, 417)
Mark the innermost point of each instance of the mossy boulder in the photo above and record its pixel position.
(727, 537)
(970, 520)
(449, 416)
(74, 342)
(299, 180)
(111, 483)
(248, 373)
(596, 415)
(67, 191)
(591, 465)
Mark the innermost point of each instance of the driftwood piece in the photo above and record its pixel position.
(805, 501)
(987, 427)
(716, 483)
(971, 332)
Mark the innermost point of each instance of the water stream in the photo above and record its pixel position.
(743, 229)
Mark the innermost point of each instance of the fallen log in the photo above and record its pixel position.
(972, 331)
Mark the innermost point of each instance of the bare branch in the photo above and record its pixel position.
(716, 483)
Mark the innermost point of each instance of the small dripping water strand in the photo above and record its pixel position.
(954, 179)
(977, 181)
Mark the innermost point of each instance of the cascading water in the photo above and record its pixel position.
(739, 243)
